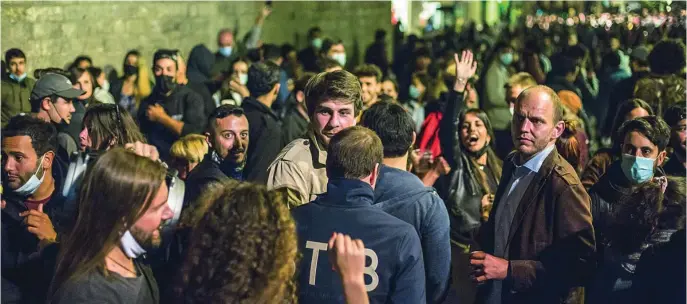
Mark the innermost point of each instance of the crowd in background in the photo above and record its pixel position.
(539, 163)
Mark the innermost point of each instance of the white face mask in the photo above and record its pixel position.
(130, 246)
(33, 183)
(243, 78)
(106, 86)
(340, 58)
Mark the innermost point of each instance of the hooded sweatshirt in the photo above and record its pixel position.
(403, 195)
(394, 270)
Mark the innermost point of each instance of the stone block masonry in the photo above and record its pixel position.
(52, 34)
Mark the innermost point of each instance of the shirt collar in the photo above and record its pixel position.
(534, 163)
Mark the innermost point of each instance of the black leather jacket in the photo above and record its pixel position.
(463, 194)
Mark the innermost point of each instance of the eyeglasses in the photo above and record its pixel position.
(225, 111)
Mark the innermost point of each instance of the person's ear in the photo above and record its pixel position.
(45, 104)
(661, 158)
(558, 129)
(207, 139)
(412, 144)
(300, 96)
(374, 175)
(275, 90)
(47, 160)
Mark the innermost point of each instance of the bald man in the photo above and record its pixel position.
(538, 245)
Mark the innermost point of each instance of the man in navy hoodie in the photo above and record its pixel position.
(394, 270)
(403, 195)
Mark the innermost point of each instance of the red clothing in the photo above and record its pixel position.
(33, 205)
(429, 134)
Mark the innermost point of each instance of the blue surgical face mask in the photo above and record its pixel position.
(506, 58)
(637, 169)
(413, 92)
(225, 51)
(316, 43)
(340, 58)
(19, 78)
(32, 184)
(130, 246)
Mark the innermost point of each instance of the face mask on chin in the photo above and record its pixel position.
(18, 78)
(105, 86)
(130, 246)
(30, 187)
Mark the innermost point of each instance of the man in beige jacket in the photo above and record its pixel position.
(334, 100)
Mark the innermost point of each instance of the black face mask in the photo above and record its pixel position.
(130, 70)
(165, 83)
(478, 153)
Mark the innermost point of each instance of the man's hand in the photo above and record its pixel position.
(144, 150)
(465, 68)
(347, 257)
(487, 267)
(40, 225)
(156, 112)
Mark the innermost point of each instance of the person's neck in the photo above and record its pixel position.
(372, 102)
(46, 188)
(266, 100)
(116, 261)
(400, 163)
(525, 158)
(680, 157)
(303, 111)
(43, 115)
(482, 160)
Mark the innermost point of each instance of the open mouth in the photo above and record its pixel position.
(473, 139)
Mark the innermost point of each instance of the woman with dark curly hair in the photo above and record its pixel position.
(242, 251)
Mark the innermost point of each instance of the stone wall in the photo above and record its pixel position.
(54, 33)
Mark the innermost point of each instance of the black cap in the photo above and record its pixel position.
(54, 84)
(165, 53)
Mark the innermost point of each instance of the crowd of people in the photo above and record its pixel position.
(471, 168)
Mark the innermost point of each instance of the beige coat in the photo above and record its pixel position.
(300, 171)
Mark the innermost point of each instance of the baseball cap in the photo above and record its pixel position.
(640, 53)
(54, 84)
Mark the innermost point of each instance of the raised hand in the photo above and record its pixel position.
(465, 68)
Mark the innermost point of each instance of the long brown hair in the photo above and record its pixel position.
(494, 164)
(244, 249)
(108, 125)
(115, 192)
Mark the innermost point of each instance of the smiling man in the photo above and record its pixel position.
(333, 100)
(227, 135)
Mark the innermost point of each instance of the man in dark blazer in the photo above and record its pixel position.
(538, 245)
